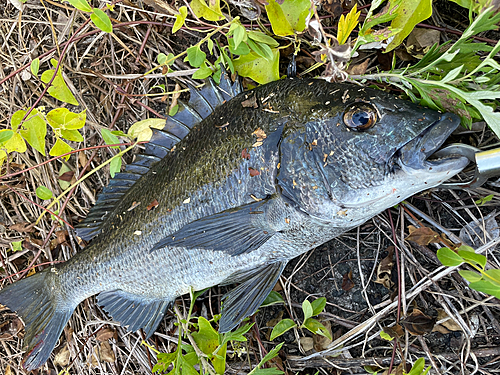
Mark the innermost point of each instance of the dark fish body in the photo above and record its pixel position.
(264, 177)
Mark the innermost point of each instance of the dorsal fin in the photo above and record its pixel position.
(201, 104)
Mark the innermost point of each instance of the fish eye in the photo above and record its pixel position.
(360, 116)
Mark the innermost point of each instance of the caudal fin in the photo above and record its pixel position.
(44, 315)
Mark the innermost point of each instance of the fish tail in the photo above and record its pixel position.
(39, 302)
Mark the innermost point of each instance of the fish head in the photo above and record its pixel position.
(362, 151)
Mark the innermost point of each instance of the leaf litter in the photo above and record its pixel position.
(353, 314)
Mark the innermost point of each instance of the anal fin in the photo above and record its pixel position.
(133, 310)
(246, 298)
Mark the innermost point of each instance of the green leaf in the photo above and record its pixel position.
(262, 38)
(172, 112)
(72, 135)
(196, 56)
(347, 24)
(273, 298)
(494, 275)
(409, 13)
(115, 166)
(448, 257)
(258, 68)
(386, 336)
(236, 335)
(203, 72)
(14, 143)
(101, 20)
(59, 148)
(239, 35)
(272, 353)
(210, 13)
(109, 138)
(33, 130)
(5, 135)
(17, 245)
(266, 371)
(63, 184)
(317, 328)
(261, 49)
(307, 309)
(282, 326)
(470, 276)
(35, 66)
(58, 89)
(487, 287)
(81, 5)
(161, 58)
(417, 367)
(472, 257)
(207, 337)
(279, 23)
(318, 305)
(241, 50)
(288, 17)
(43, 193)
(483, 200)
(142, 129)
(62, 118)
(180, 19)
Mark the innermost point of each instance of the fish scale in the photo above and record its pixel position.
(241, 186)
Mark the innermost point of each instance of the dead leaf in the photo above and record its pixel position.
(250, 102)
(67, 176)
(61, 236)
(245, 154)
(322, 342)
(152, 205)
(22, 227)
(395, 332)
(359, 69)
(307, 343)
(449, 325)
(102, 353)
(260, 134)
(334, 7)
(82, 159)
(10, 328)
(253, 172)
(421, 38)
(175, 96)
(384, 269)
(423, 235)
(347, 283)
(105, 334)
(417, 323)
(62, 357)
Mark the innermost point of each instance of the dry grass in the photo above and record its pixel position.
(105, 72)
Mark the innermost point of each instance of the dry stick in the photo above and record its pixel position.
(423, 284)
(398, 267)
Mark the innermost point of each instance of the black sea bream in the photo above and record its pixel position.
(244, 181)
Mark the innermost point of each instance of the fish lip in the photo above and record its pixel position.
(417, 153)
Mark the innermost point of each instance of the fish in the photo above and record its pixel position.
(235, 185)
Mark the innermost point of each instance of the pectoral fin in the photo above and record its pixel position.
(235, 231)
(246, 298)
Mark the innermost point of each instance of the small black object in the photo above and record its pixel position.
(291, 71)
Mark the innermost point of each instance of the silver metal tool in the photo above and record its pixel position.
(487, 164)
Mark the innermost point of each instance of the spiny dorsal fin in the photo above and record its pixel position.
(201, 104)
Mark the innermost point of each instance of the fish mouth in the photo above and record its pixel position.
(418, 154)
